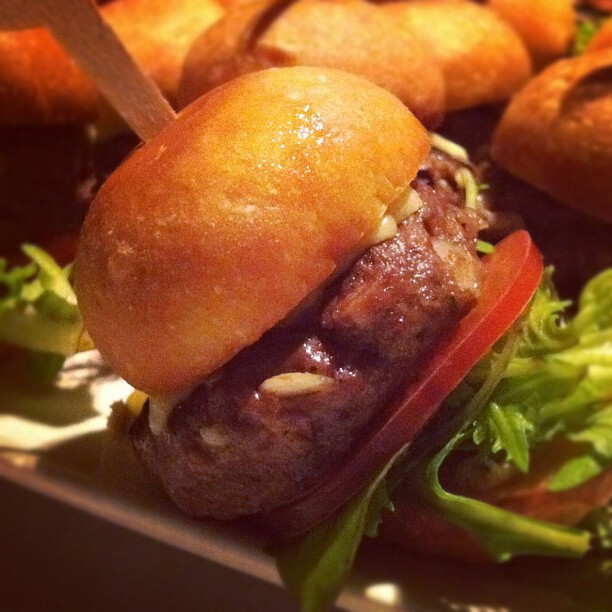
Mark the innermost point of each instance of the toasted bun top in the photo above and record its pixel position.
(217, 228)
(547, 27)
(41, 84)
(557, 133)
(346, 34)
(482, 58)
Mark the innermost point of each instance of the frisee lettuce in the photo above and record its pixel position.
(39, 313)
(559, 383)
(506, 429)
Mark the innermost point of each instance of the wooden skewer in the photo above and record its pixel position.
(78, 26)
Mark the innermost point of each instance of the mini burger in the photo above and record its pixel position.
(556, 134)
(482, 57)
(297, 283)
(552, 154)
(349, 35)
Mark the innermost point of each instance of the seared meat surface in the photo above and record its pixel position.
(233, 447)
(393, 295)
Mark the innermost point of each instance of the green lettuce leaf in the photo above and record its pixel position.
(316, 567)
(504, 534)
(39, 312)
(596, 431)
(506, 429)
(550, 376)
(586, 30)
(558, 383)
(575, 472)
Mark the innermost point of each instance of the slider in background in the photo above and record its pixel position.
(483, 59)
(348, 35)
(58, 138)
(556, 136)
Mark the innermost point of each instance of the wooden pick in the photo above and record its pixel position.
(78, 26)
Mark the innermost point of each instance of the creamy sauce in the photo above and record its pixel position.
(160, 408)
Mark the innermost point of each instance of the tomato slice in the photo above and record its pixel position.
(513, 273)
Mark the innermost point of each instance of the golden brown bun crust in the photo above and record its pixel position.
(216, 229)
(348, 35)
(603, 38)
(557, 133)
(225, 51)
(547, 27)
(483, 59)
(159, 34)
(41, 84)
(232, 4)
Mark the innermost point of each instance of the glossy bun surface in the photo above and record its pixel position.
(216, 229)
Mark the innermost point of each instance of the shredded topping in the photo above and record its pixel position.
(387, 228)
(465, 180)
(160, 408)
(295, 383)
(408, 206)
(449, 147)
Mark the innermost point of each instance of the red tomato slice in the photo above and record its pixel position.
(513, 273)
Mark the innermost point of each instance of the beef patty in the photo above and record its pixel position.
(234, 447)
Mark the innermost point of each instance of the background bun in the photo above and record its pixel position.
(159, 34)
(602, 39)
(216, 229)
(547, 27)
(482, 58)
(347, 34)
(557, 133)
(41, 84)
